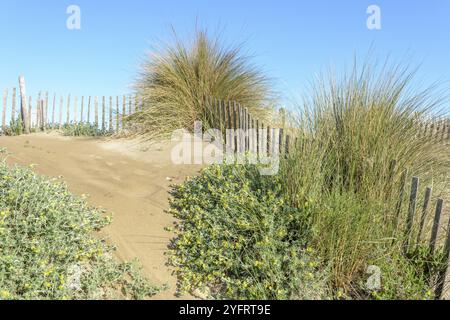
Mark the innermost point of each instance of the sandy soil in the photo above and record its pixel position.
(128, 179)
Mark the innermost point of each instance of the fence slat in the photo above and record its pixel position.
(426, 203)
(75, 110)
(435, 229)
(46, 110)
(68, 110)
(30, 106)
(53, 111)
(88, 119)
(23, 105)
(400, 200)
(5, 102)
(103, 113)
(442, 279)
(110, 127)
(117, 114)
(13, 111)
(96, 112)
(82, 110)
(411, 211)
(287, 145)
(235, 132)
(61, 105)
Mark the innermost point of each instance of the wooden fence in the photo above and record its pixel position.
(419, 209)
(242, 132)
(47, 112)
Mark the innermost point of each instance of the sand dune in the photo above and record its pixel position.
(125, 177)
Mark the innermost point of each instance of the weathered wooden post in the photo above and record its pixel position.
(103, 113)
(46, 110)
(13, 111)
(435, 229)
(235, 128)
(53, 111)
(117, 114)
(442, 287)
(75, 110)
(426, 203)
(61, 105)
(68, 110)
(23, 105)
(82, 110)
(96, 112)
(111, 129)
(88, 119)
(30, 110)
(5, 102)
(411, 212)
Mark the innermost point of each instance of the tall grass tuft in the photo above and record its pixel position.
(176, 78)
(348, 133)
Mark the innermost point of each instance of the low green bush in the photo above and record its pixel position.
(238, 239)
(84, 129)
(48, 245)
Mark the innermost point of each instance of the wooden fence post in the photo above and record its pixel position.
(61, 105)
(229, 126)
(117, 114)
(103, 113)
(82, 110)
(400, 200)
(96, 112)
(287, 145)
(46, 110)
(75, 110)
(235, 131)
(442, 278)
(13, 111)
(30, 103)
(23, 105)
(435, 229)
(111, 128)
(38, 116)
(89, 111)
(68, 110)
(280, 139)
(54, 111)
(257, 139)
(411, 212)
(426, 203)
(5, 102)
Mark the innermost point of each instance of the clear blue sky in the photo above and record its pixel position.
(293, 40)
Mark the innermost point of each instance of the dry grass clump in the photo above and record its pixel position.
(175, 80)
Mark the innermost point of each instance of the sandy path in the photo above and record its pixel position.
(123, 179)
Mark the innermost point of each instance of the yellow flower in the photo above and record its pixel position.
(5, 294)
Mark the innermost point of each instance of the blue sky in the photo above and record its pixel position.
(292, 40)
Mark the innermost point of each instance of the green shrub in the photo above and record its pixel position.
(407, 277)
(48, 247)
(84, 129)
(239, 239)
(175, 80)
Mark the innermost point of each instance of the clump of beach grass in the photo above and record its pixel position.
(177, 77)
(348, 133)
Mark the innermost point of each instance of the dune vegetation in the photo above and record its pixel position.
(177, 77)
(246, 236)
(50, 246)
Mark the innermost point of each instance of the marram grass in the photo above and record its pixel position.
(176, 79)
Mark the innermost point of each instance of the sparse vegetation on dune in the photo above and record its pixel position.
(336, 194)
(49, 249)
(176, 79)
